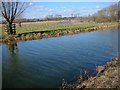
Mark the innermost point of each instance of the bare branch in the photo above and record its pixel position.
(11, 10)
(20, 10)
(4, 10)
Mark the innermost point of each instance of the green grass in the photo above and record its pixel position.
(51, 26)
(35, 27)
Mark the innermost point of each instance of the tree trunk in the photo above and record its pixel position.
(10, 28)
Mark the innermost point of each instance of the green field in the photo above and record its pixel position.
(36, 27)
(53, 26)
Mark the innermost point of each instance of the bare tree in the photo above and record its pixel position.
(108, 14)
(10, 10)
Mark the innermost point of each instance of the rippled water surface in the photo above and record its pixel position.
(45, 62)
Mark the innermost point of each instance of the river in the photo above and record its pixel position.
(43, 63)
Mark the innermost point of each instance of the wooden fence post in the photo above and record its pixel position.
(7, 29)
(14, 29)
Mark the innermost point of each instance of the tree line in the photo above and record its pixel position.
(108, 14)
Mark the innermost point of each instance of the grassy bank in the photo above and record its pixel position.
(36, 30)
(107, 77)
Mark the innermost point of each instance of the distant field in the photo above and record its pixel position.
(48, 26)
(0, 30)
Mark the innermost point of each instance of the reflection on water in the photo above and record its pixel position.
(14, 65)
(13, 49)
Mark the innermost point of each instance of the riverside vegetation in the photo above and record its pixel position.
(30, 31)
(107, 76)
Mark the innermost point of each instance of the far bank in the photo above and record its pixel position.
(32, 31)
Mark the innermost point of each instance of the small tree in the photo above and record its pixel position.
(10, 10)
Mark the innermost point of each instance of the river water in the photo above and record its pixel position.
(43, 63)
